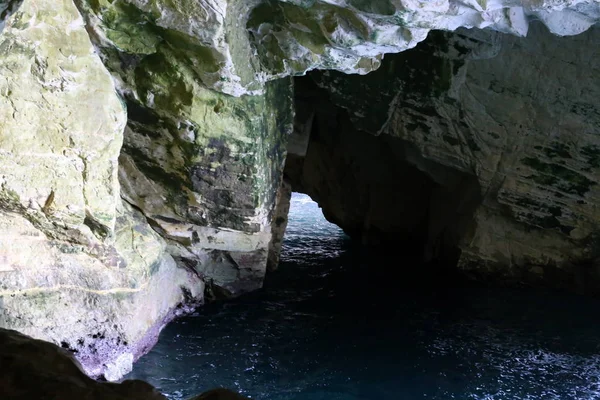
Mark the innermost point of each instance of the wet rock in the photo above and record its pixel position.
(34, 369)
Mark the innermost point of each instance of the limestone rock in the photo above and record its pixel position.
(61, 123)
(493, 145)
(108, 315)
(77, 267)
(204, 167)
(201, 165)
(501, 136)
(279, 223)
(235, 46)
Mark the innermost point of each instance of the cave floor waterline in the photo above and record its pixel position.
(324, 327)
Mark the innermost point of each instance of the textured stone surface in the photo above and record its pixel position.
(77, 267)
(483, 148)
(34, 369)
(351, 35)
(505, 133)
(205, 173)
(107, 314)
(202, 166)
(61, 122)
(235, 46)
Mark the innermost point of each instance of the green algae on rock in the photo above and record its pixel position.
(217, 161)
(77, 266)
(142, 146)
(236, 46)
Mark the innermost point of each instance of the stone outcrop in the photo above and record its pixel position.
(235, 46)
(142, 146)
(205, 177)
(77, 266)
(34, 369)
(477, 147)
(279, 223)
(126, 184)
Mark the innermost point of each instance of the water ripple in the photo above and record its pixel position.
(327, 326)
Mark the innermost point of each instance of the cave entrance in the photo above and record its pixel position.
(308, 234)
(379, 188)
(301, 233)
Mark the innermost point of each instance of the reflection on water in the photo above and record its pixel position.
(329, 325)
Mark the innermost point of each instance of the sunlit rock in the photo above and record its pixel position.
(77, 266)
(236, 46)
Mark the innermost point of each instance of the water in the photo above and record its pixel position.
(333, 324)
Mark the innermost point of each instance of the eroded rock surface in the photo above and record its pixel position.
(142, 146)
(198, 173)
(495, 136)
(77, 266)
(205, 175)
(235, 46)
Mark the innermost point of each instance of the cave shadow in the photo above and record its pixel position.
(407, 216)
(7, 8)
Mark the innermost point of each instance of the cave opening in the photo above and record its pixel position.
(473, 152)
(379, 189)
(309, 233)
(334, 321)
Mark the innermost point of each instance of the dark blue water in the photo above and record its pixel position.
(334, 324)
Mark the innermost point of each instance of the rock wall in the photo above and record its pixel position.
(205, 177)
(142, 145)
(494, 140)
(77, 266)
(125, 186)
(279, 223)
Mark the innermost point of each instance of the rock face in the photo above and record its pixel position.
(142, 146)
(77, 266)
(279, 223)
(33, 369)
(125, 183)
(235, 46)
(205, 177)
(478, 146)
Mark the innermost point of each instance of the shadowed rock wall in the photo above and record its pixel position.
(474, 140)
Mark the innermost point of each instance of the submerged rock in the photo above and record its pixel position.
(34, 369)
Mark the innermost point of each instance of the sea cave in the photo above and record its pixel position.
(299, 200)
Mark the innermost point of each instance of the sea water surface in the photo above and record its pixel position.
(330, 326)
